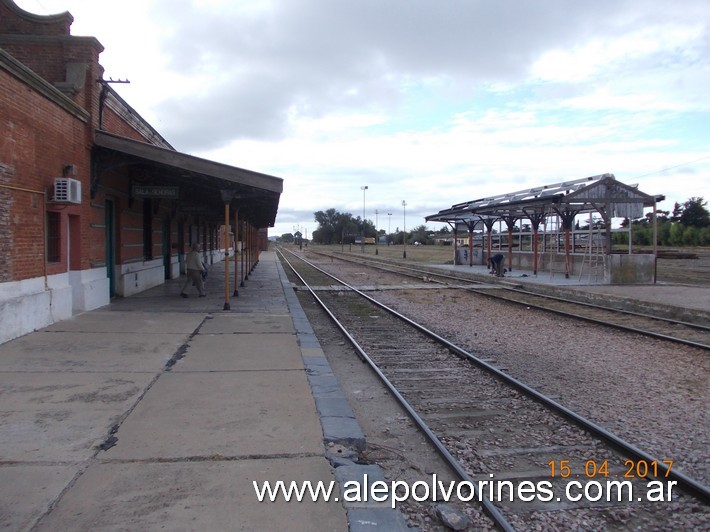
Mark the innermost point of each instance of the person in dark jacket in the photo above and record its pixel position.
(496, 262)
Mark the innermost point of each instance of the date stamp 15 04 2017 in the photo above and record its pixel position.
(596, 469)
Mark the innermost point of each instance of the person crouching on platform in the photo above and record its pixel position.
(496, 262)
(194, 267)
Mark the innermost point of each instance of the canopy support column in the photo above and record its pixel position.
(567, 217)
(236, 254)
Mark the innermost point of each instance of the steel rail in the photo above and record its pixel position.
(686, 483)
(493, 512)
(597, 321)
(378, 264)
(645, 332)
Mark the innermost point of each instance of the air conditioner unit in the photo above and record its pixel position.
(67, 190)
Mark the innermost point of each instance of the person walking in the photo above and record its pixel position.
(195, 268)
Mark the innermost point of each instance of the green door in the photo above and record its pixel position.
(166, 248)
(110, 247)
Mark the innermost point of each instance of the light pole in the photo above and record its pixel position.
(389, 226)
(362, 241)
(377, 236)
(404, 217)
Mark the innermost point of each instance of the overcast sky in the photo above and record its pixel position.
(433, 102)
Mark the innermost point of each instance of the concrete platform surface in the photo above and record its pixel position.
(158, 412)
(194, 495)
(685, 302)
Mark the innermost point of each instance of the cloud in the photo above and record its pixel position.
(432, 102)
(248, 70)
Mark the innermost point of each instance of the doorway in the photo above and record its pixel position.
(110, 228)
(167, 256)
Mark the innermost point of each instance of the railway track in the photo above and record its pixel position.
(497, 433)
(693, 334)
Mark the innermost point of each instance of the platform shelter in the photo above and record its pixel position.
(564, 228)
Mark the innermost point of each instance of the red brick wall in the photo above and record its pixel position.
(6, 236)
(16, 20)
(116, 125)
(39, 138)
(44, 44)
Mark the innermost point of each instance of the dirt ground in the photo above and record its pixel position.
(686, 271)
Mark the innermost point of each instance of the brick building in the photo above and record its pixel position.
(94, 202)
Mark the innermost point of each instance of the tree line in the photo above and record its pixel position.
(336, 227)
(688, 224)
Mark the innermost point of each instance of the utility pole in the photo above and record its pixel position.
(404, 240)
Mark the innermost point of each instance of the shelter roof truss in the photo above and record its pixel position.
(601, 193)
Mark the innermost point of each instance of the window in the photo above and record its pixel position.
(53, 237)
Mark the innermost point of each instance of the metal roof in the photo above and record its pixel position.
(601, 193)
(201, 181)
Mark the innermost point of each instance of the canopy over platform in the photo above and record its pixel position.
(559, 202)
(601, 193)
(203, 186)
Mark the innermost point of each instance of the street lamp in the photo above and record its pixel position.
(404, 217)
(362, 242)
(389, 226)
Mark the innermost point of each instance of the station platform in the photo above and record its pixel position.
(677, 301)
(158, 412)
(684, 302)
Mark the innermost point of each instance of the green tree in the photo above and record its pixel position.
(663, 216)
(642, 237)
(694, 213)
(367, 228)
(327, 226)
(396, 236)
(349, 229)
(675, 235)
(316, 236)
(421, 234)
(335, 227)
(690, 235)
(677, 210)
(664, 232)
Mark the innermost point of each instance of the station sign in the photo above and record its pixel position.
(462, 227)
(150, 191)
